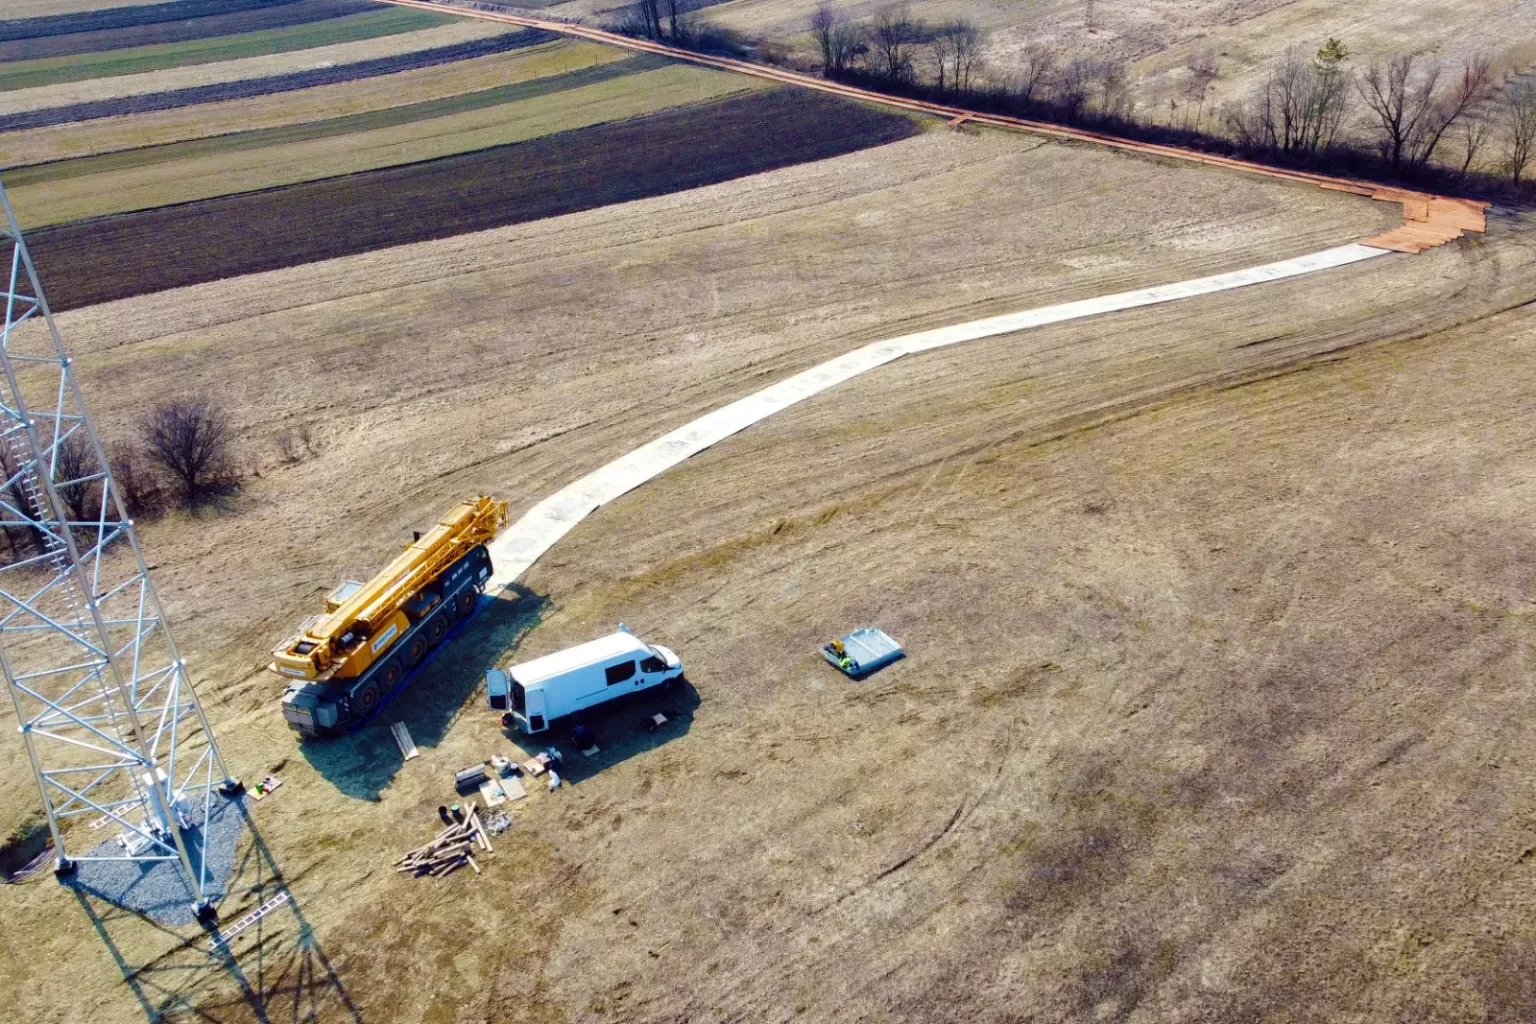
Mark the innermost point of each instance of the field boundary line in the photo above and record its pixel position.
(519, 546)
(1429, 220)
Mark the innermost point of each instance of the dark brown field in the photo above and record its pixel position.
(116, 257)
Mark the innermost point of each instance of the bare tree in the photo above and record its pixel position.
(894, 37)
(1301, 106)
(1111, 89)
(1037, 63)
(824, 20)
(1329, 102)
(969, 40)
(1411, 110)
(20, 506)
(190, 439)
(136, 485)
(1071, 89)
(650, 17)
(75, 459)
(941, 56)
(1520, 126)
(1472, 134)
(1204, 68)
(836, 37)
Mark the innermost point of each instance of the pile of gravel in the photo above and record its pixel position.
(157, 889)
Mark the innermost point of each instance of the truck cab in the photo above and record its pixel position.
(582, 677)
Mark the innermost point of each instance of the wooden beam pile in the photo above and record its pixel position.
(449, 850)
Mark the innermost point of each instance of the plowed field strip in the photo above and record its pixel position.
(115, 257)
(42, 26)
(615, 66)
(137, 60)
(269, 16)
(220, 174)
(246, 88)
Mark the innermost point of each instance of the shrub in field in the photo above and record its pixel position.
(190, 440)
(137, 485)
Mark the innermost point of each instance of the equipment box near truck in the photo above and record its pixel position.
(580, 677)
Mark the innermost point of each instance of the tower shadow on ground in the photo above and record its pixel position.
(362, 764)
(274, 971)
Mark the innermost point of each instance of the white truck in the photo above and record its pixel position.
(539, 691)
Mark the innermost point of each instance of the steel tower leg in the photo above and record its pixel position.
(112, 727)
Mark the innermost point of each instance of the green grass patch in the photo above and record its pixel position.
(135, 60)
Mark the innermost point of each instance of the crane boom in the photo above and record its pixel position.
(357, 614)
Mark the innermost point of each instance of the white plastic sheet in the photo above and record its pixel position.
(523, 543)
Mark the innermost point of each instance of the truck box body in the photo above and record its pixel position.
(585, 676)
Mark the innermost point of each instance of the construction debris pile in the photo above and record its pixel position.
(450, 849)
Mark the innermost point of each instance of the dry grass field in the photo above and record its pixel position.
(1218, 613)
(1157, 37)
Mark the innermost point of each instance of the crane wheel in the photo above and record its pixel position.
(389, 676)
(466, 603)
(368, 697)
(415, 651)
(436, 630)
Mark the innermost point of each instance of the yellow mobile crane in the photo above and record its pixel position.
(341, 664)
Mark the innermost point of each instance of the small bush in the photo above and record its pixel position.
(137, 485)
(191, 441)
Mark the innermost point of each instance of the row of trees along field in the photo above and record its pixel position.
(1406, 116)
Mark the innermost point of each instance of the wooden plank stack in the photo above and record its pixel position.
(449, 850)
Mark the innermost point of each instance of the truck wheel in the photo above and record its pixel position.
(415, 651)
(389, 675)
(466, 603)
(437, 628)
(366, 699)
